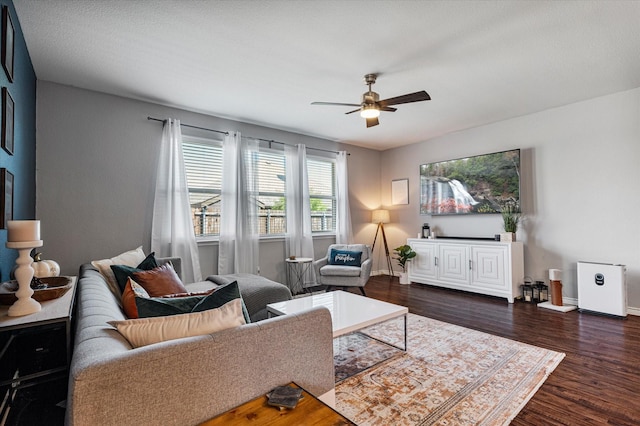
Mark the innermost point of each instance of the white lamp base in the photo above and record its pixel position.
(25, 305)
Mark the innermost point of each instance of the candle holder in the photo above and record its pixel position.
(25, 305)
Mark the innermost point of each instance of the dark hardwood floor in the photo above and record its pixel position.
(597, 383)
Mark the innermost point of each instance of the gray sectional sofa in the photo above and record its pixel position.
(187, 381)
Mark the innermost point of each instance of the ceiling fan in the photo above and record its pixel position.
(372, 105)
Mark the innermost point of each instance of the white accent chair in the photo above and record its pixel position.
(344, 276)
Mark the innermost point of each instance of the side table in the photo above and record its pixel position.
(297, 271)
(310, 411)
(35, 348)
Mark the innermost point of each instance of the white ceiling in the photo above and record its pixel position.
(264, 62)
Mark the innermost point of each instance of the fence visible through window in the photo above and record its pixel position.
(271, 222)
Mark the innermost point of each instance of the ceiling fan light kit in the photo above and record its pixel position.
(369, 111)
(371, 104)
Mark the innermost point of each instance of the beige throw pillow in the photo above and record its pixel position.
(146, 331)
(130, 258)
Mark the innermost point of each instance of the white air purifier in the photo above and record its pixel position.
(602, 288)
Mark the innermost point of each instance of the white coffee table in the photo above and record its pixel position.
(349, 312)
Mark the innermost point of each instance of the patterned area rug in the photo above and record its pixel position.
(357, 352)
(450, 375)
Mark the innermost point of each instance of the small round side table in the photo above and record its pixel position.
(297, 270)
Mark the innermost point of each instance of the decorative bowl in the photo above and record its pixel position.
(56, 287)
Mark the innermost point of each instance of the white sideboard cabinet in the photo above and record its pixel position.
(480, 266)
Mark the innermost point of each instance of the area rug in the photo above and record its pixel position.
(450, 375)
(357, 352)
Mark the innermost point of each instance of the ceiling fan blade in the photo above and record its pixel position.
(405, 99)
(372, 122)
(333, 103)
(388, 109)
(355, 110)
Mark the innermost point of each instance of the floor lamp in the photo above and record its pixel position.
(381, 217)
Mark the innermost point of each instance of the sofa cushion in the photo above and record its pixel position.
(129, 258)
(257, 292)
(163, 306)
(123, 272)
(160, 281)
(345, 257)
(340, 271)
(132, 290)
(146, 331)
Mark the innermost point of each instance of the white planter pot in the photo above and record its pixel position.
(404, 278)
(508, 237)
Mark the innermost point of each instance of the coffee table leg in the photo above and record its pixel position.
(389, 343)
(405, 332)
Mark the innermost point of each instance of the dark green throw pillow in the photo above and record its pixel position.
(123, 272)
(160, 306)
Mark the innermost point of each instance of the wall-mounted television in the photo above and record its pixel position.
(481, 184)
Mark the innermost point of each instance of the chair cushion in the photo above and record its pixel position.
(345, 257)
(340, 271)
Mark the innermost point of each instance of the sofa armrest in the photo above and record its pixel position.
(187, 381)
(175, 261)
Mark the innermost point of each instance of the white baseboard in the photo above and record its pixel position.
(630, 310)
(384, 272)
(633, 311)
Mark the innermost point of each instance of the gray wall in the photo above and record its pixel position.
(580, 179)
(96, 165)
(97, 154)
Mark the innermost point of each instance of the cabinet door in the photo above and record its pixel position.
(423, 266)
(453, 263)
(489, 267)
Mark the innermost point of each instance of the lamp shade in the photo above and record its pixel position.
(380, 216)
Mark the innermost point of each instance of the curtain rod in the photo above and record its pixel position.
(193, 127)
(269, 141)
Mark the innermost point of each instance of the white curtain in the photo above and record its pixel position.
(172, 232)
(299, 241)
(344, 234)
(239, 233)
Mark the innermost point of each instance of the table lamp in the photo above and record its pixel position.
(23, 235)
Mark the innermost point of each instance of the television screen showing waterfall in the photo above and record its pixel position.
(481, 184)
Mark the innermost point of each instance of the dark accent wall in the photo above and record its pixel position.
(22, 164)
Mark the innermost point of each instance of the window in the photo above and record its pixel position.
(203, 166)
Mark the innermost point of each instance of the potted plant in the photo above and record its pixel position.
(510, 220)
(404, 254)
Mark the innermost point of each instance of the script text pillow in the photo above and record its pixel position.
(345, 258)
(160, 281)
(147, 331)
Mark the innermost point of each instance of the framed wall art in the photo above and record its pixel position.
(8, 36)
(7, 121)
(6, 197)
(400, 191)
